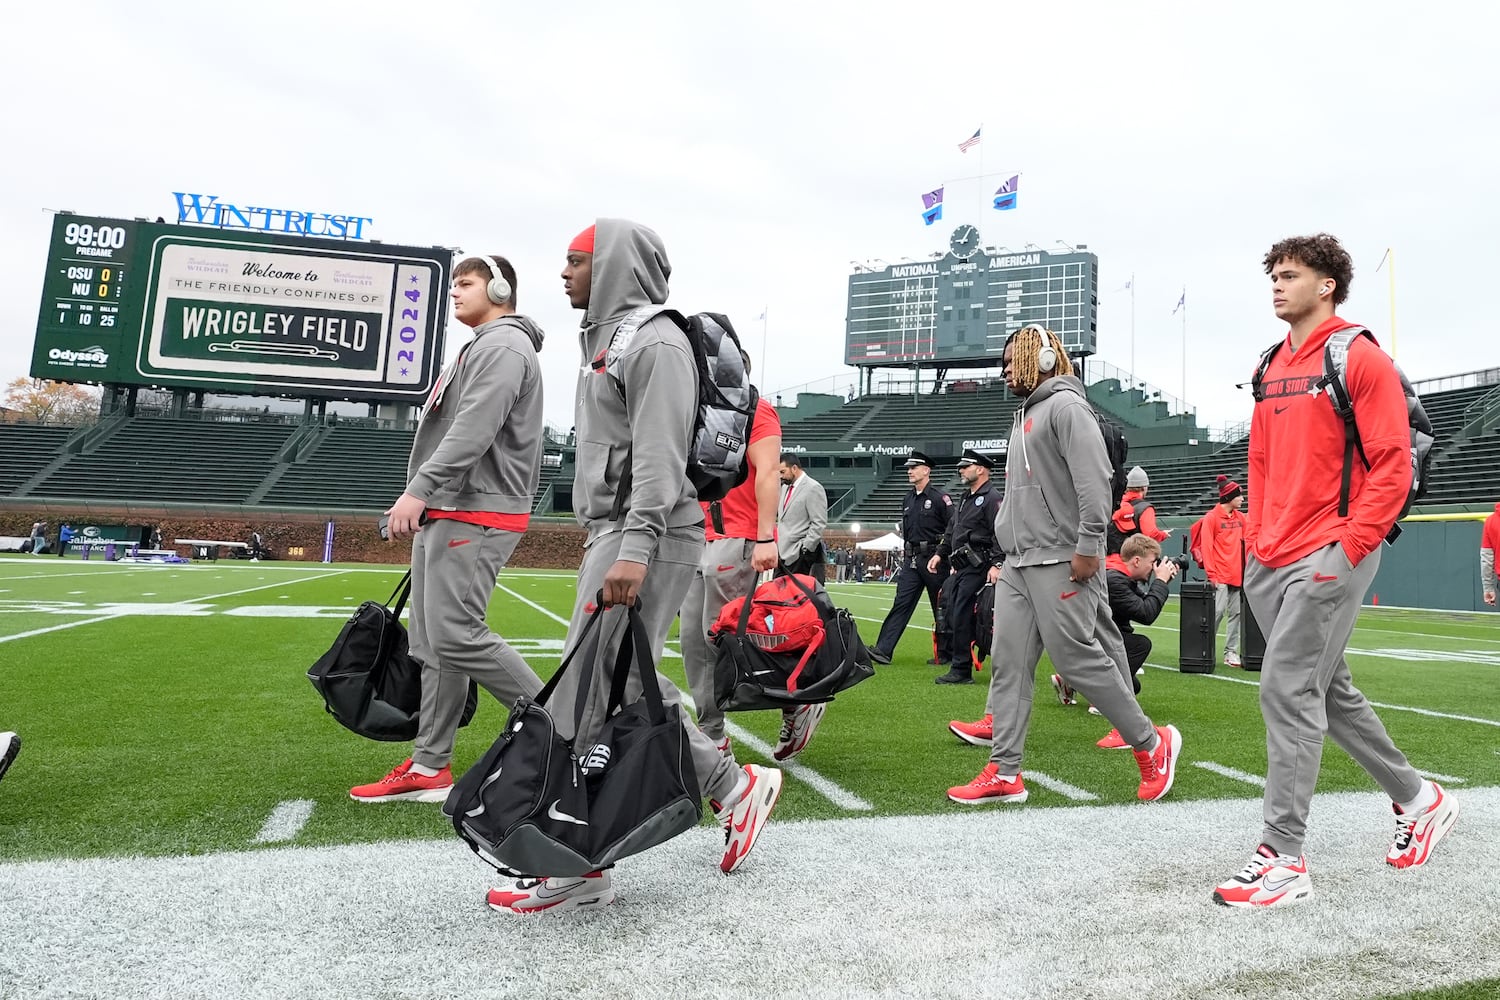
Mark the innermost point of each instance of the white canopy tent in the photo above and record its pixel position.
(889, 542)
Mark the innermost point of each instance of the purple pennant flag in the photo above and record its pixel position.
(932, 198)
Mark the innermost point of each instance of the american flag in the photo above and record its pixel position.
(972, 140)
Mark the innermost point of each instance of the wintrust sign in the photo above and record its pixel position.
(208, 210)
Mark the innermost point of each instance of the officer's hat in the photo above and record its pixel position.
(972, 457)
(917, 458)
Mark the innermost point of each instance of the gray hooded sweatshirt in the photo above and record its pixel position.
(479, 444)
(1057, 479)
(636, 401)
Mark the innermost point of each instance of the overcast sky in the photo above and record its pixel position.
(772, 147)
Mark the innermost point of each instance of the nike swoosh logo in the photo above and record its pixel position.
(555, 813)
(1321, 578)
(1069, 593)
(543, 891)
(1280, 884)
(1279, 409)
(741, 826)
(726, 569)
(459, 541)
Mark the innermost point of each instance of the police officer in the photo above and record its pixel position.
(924, 518)
(973, 557)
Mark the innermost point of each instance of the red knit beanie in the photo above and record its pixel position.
(583, 242)
(1228, 489)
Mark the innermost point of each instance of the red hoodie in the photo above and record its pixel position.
(1490, 537)
(1297, 454)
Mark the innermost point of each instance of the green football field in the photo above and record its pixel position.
(165, 711)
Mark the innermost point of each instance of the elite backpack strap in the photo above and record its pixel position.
(1258, 380)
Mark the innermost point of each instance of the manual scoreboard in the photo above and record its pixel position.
(240, 312)
(959, 307)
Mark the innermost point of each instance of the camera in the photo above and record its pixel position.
(1184, 562)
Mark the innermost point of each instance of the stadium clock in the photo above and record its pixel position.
(965, 242)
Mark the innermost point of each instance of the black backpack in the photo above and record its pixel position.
(1118, 450)
(717, 456)
(1335, 385)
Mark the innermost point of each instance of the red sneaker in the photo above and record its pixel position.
(402, 785)
(989, 787)
(980, 733)
(1112, 741)
(533, 895)
(1418, 833)
(1159, 767)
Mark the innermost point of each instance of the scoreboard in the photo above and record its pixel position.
(958, 308)
(143, 303)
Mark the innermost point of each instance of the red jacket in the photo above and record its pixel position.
(1124, 517)
(1490, 537)
(1297, 455)
(1223, 528)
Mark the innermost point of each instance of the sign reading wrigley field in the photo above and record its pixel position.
(243, 311)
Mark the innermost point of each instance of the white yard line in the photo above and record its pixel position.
(1378, 704)
(839, 796)
(1450, 779)
(55, 628)
(1231, 772)
(285, 821)
(1060, 787)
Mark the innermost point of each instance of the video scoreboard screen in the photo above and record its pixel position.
(244, 312)
(959, 309)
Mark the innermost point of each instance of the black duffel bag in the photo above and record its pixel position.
(534, 805)
(368, 680)
(824, 654)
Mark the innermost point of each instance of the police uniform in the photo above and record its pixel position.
(924, 518)
(969, 547)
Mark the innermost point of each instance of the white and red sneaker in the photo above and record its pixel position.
(1159, 768)
(743, 821)
(1065, 694)
(536, 895)
(1112, 741)
(1418, 833)
(403, 785)
(1270, 879)
(10, 747)
(726, 750)
(981, 733)
(1232, 659)
(797, 729)
(989, 787)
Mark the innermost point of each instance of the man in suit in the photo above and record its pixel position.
(800, 520)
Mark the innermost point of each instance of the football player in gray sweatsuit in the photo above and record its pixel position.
(474, 467)
(634, 411)
(1052, 592)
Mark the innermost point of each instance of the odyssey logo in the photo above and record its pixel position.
(89, 357)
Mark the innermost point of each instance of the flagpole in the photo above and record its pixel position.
(981, 170)
(1132, 324)
(765, 322)
(1184, 346)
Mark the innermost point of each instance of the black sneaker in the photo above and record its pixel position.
(10, 746)
(879, 655)
(955, 677)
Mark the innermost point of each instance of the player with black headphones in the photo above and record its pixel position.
(1051, 594)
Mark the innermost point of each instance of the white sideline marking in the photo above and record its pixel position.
(1060, 787)
(1230, 772)
(839, 796)
(1450, 779)
(285, 821)
(1377, 704)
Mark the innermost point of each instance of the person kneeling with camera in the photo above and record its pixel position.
(1140, 561)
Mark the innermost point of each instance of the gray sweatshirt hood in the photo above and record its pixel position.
(630, 270)
(525, 324)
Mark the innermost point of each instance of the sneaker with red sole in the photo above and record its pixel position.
(401, 785)
(10, 747)
(981, 733)
(1270, 879)
(1418, 833)
(557, 894)
(989, 787)
(1159, 767)
(743, 821)
(804, 721)
(1064, 693)
(1112, 741)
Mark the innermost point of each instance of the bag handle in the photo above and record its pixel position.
(633, 644)
(397, 601)
(551, 685)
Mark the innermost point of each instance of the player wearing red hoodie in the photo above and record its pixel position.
(1309, 568)
(1489, 542)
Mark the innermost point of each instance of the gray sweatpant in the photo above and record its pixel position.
(453, 570)
(1227, 598)
(724, 574)
(667, 578)
(1036, 608)
(1307, 611)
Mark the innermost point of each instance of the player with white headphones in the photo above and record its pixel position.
(1051, 594)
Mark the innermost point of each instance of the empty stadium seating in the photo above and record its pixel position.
(350, 467)
(26, 450)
